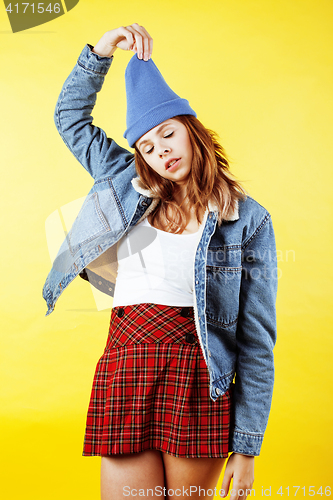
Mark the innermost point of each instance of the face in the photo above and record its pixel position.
(167, 150)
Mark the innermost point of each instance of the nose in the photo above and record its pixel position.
(163, 150)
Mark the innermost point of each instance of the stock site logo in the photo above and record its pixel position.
(23, 15)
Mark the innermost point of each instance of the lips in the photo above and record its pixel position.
(171, 162)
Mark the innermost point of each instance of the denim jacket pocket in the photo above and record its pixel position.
(224, 272)
(88, 225)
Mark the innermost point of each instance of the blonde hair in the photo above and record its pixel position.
(210, 179)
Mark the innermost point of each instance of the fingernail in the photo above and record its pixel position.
(140, 55)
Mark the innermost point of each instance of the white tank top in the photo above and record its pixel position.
(155, 266)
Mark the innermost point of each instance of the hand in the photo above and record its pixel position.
(241, 469)
(133, 37)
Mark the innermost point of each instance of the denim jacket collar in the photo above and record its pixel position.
(212, 206)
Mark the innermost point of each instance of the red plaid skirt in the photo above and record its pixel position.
(151, 388)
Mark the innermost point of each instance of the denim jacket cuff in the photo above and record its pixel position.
(93, 62)
(246, 444)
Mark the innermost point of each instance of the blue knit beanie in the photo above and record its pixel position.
(150, 100)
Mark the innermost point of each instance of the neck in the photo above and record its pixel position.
(180, 196)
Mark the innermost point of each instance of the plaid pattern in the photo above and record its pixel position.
(151, 388)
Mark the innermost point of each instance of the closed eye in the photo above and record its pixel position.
(152, 148)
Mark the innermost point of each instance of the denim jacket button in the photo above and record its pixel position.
(217, 390)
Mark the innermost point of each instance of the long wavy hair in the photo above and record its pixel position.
(210, 179)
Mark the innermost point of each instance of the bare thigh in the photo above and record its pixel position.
(185, 476)
(122, 476)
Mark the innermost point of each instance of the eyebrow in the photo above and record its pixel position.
(157, 131)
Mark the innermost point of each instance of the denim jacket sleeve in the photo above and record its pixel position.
(99, 155)
(256, 337)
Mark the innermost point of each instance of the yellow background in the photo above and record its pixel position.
(259, 72)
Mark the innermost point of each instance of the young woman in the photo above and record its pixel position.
(187, 372)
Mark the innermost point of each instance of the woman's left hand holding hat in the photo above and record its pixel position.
(133, 37)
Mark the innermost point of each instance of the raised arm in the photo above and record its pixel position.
(99, 155)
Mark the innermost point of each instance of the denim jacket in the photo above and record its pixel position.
(235, 270)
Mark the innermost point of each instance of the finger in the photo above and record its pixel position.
(226, 483)
(244, 496)
(234, 493)
(244, 492)
(150, 47)
(241, 492)
(125, 38)
(145, 48)
(148, 40)
(137, 46)
(142, 38)
(132, 33)
(130, 39)
(138, 39)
